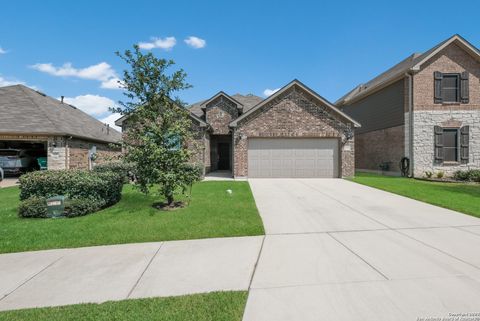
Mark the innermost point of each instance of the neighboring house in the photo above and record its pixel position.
(67, 136)
(426, 108)
(293, 133)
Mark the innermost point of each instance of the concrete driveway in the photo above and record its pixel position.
(337, 250)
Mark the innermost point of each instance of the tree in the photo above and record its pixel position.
(158, 128)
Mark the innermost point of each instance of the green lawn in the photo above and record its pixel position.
(215, 306)
(460, 197)
(212, 213)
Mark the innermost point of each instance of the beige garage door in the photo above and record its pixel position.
(292, 157)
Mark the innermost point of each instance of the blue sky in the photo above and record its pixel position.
(250, 46)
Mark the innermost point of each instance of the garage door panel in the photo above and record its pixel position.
(292, 157)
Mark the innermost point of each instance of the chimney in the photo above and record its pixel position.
(61, 98)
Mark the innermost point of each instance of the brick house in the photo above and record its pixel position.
(293, 133)
(425, 108)
(47, 127)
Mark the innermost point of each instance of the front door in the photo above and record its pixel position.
(223, 156)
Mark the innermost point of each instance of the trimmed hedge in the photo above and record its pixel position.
(73, 184)
(85, 191)
(472, 175)
(33, 207)
(81, 207)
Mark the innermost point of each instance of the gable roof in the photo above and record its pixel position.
(248, 101)
(27, 111)
(412, 63)
(295, 82)
(221, 93)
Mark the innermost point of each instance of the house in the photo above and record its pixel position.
(293, 133)
(67, 136)
(426, 108)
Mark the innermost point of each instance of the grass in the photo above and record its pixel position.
(211, 213)
(455, 196)
(218, 306)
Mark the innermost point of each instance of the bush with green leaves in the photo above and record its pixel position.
(471, 175)
(126, 169)
(85, 191)
(33, 207)
(72, 184)
(82, 206)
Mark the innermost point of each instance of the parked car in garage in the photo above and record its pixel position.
(16, 161)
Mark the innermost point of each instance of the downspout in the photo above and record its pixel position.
(410, 123)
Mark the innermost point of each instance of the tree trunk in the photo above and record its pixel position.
(170, 199)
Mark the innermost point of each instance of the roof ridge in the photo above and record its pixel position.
(38, 106)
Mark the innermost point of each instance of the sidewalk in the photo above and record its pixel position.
(118, 272)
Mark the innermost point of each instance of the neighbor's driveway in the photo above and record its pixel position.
(337, 250)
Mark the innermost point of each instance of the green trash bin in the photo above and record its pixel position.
(42, 163)
(55, 206)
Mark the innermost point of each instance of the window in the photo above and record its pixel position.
(450, 145)
(451, 88)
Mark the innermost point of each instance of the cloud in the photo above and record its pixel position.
(2, 51)
(195, 42)
(165, 43)
(110, 119)
(112, 83)
(102, 72)
(6, 82)
(94, 105)
(268, 92)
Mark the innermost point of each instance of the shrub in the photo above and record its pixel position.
(82, 206)
(72, 184)
(428, 174)
(93, 190)
(472, 175)
(475, 175)
(33, 207)
(122, 168)
(440, 174)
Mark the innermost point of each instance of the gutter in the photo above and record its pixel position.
(410, 122)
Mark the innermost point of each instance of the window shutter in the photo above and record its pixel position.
(464, 144)
(464, 90)
(438, 76)
(438, 144)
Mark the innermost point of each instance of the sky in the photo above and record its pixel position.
(67, 48)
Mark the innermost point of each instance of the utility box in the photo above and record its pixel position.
(55, 206)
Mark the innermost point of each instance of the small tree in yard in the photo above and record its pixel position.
(158, 128)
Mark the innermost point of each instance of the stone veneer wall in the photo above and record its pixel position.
(219, 114)
(427, 114)
(56, 153)
(424, 139)
(376, 147)
(292, 114)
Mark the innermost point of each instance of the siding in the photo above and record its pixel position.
(383, 109)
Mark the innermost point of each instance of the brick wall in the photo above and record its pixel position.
(78, 153)
(294, 113)
(219, 113)
(376, 147)
(427, 114)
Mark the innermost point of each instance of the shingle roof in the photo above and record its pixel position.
(26, 111)
(299, 84)
(412, 62)
(248, 101)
